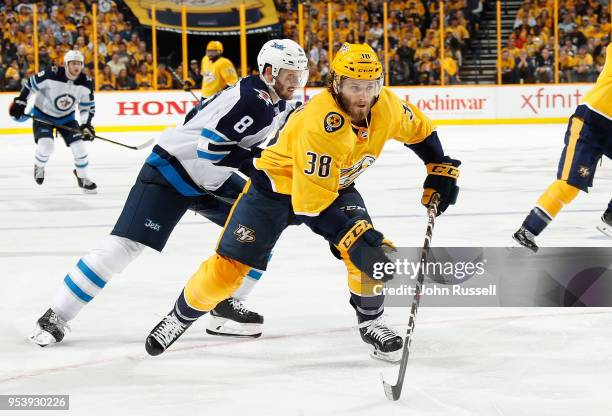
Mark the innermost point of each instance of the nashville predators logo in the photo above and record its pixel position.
(584, 171)
(349, 174)
(333, 122)
(244, 234)
(209, 76)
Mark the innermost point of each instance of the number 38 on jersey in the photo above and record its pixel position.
(318, 164)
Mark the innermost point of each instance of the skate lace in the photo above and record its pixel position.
(379, 330)
(168, 330)
(238, 306)
(59, 322)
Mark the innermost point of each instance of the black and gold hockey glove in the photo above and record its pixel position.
(442, 179)
(366, 247)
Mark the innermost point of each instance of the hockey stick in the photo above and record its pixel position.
(394, 391)
(71, 129)
(176, 77)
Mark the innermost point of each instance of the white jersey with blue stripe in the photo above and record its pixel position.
(56, 96)
(217, 136)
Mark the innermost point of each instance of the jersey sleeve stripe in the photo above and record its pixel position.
(87, 104)
(211, 156)
(34, 84)
(215, 137)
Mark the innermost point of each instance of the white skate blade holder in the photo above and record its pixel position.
(41, 337)
(227, 327)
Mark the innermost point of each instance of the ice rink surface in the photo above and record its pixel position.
(310, 360)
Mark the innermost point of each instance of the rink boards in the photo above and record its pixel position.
(457, 105)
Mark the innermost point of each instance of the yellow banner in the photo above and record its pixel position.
(208, 17)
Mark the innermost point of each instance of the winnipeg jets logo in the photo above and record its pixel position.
(64, 102)
(244, 234)
(263, 95)
(152, 225)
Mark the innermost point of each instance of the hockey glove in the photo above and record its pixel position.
(88, 132)
(442, 179)
(188, 85)
(367, 249)
(17, 108)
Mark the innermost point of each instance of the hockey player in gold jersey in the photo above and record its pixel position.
(306, 176)
(217, 72)
(587, 139)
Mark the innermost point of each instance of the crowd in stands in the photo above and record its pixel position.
(584, 33)
(414, 54)
(125, 60)
(413, 34)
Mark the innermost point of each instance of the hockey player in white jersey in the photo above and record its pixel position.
(195, 166)
(57, 91)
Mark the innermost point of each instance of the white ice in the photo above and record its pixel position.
(310, 360)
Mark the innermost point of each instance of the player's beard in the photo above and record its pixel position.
(354, 110)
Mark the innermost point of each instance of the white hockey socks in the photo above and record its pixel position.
(247, 285)
(44, 149)
(92, 272)
(79, 150)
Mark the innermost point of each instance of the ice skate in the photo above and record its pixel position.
(164, 334)
(231, 318)
(606, 224)
(86, 184)
(525, 238)
(39, 174)
(50, 329)
(384, 343)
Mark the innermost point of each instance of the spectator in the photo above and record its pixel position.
(115, 64)
(583, 67)
(544, 64)
(567, 24)
(566, 66)
(450, 68)
(107, 79)
(13, 77)
(397, 71)
(525, 70)
(194, 74)
(44, 60)
(124, 82)
(144, 79)
(164, 78)
(507, 68)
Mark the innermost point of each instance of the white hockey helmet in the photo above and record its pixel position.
(73, 55)
(283, 54)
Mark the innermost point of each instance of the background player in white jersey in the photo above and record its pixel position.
(194, 166)
(57, 91)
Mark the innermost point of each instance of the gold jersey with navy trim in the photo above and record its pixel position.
(319, 152)
(599, 99)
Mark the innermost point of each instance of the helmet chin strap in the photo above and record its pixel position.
(271, 89)
(69, 75)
